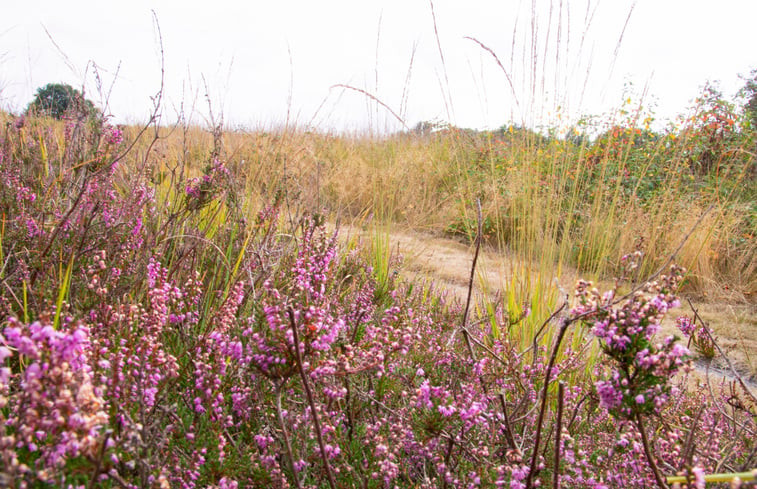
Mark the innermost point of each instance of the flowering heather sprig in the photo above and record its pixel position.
(136, 362)
(686, 325)
(201, 190)
(142, 355)
(113, 135)
(700, 335)
(311, 308)
(637, 380)
(51, 407)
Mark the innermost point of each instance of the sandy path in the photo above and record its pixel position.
(447, 263)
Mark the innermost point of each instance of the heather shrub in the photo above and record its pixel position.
(165, 326)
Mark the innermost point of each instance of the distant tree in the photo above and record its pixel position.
(58, 99)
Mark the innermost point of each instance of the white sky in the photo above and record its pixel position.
(242, 51)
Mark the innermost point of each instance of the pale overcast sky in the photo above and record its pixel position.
(264, 61)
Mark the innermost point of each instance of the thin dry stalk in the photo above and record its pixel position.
(287, 444)
(311, 403)
(558, 428)
(507, 75)
(446, 97)
(543, 409)
(375, 99)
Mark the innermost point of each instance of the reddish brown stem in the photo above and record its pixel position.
(648, 452)
(309, 394)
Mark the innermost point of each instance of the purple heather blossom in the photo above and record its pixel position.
(686, 325)
(609, 396)
(699, 481)
(446, 410)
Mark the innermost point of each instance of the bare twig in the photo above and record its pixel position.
(688, 445)
(468, 338)
(508, 427)
(558, 429)
(470, 282)
(99, 460)
(543, 409)
(157, 102)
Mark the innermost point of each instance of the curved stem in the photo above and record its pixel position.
(309, 394)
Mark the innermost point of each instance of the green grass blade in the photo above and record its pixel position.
(62, 292)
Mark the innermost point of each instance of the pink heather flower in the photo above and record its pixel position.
(518, 473)
(685, 324)
(114, 136)
(699, 481)
(137, 227)
(32, 228)
(609, 397)
(332, 451)
(199, 408)
(5, 375)
(423, 395)
(478, 368)
(471, 412)
(679, 351)
(640, 399)
(446, 411)
(4, 353)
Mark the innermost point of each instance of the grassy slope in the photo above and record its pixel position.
(553, 202)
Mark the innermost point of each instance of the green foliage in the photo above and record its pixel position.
(749, 93)
(58, 99)
(713, 131)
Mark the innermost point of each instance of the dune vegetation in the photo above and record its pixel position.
(178, 309)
